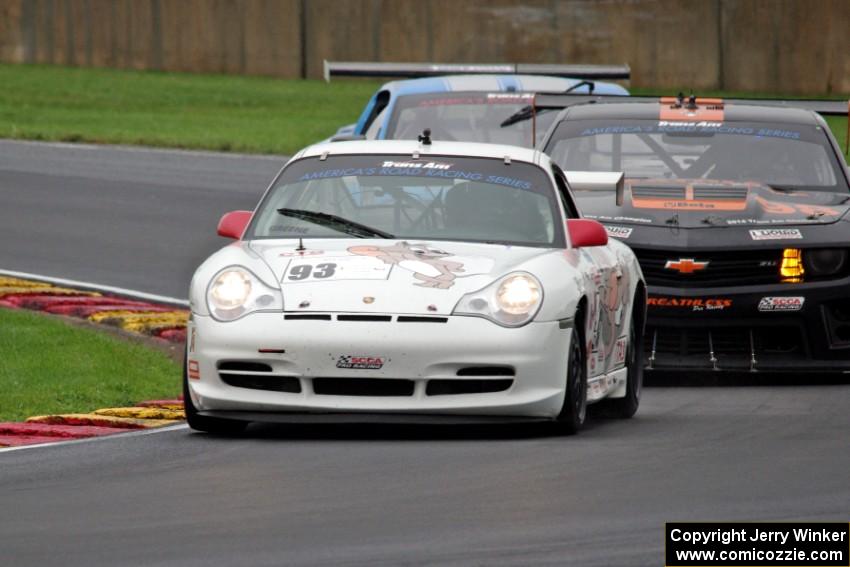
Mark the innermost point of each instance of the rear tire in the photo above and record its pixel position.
(574, 411)
(213, 425)
(624, 408)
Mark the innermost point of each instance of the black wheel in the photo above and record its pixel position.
(574, 411)
(624, 408)
(204, 423)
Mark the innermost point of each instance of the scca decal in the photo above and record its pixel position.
(781, 303)
(360, 362)
(692, 303)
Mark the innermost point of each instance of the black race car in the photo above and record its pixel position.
(738, 214)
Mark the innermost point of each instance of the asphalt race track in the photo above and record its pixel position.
(134, 218)
(365, 494)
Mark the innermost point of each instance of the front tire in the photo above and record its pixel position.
(574, 411)
(204, 423)
(626, 407)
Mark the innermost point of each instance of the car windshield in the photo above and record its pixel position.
(392, 196)
(792, 156)
(467, 117)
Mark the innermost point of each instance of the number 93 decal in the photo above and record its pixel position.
(299, 272)
(335, 268)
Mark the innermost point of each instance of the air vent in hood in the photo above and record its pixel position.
(658, 192)
(720, 192)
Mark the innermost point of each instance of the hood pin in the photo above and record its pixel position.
(368, 300)
(432, 307)
(304, 304)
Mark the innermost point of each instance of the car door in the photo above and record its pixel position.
(609, 286)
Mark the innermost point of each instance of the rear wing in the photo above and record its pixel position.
(598, 181)
(416, 70)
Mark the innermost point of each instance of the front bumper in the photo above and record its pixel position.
(458, 366)
(741, 328)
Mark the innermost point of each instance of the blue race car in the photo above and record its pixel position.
(469, 103)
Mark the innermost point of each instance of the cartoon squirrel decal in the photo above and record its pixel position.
(429, 265)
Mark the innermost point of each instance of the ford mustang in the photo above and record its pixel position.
(738, 214)
(431, 279)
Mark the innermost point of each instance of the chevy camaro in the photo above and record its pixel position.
(738, 214)
(436, 280)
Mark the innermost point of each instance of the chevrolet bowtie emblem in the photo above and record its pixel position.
(685, 265)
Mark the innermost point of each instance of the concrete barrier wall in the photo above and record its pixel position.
(646, 34)
(754, 45)
(261, 37)
(786, 45)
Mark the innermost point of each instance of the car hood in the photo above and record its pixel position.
(705, 203)
(385, 276)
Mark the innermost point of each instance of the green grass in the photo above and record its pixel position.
(49, 366)
(219, 112)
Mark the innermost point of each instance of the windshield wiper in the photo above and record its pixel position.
(589, 84)
(333, 221)
(526, 112)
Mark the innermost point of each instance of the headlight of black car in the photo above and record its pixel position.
(821, 262)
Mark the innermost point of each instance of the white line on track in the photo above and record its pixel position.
(98, 287)
(133, 433)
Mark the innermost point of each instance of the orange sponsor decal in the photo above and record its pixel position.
(694, 303)
(791, 208)
(686, 205)
(774, 207)
(683, 110)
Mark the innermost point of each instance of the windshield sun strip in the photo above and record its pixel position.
(558, 239)
(665, 156)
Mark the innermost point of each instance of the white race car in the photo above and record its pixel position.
(436, 280)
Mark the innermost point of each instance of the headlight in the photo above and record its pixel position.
(511, 301)
(230, 290)
(825, 261)
(235, 292)
(517, 295)
(791, 269)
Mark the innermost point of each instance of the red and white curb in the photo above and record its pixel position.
(137, 312)
(134, 311)
(108, 421)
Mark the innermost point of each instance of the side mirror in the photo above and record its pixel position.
(232, 224)
(597, 181)
(586, 232)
